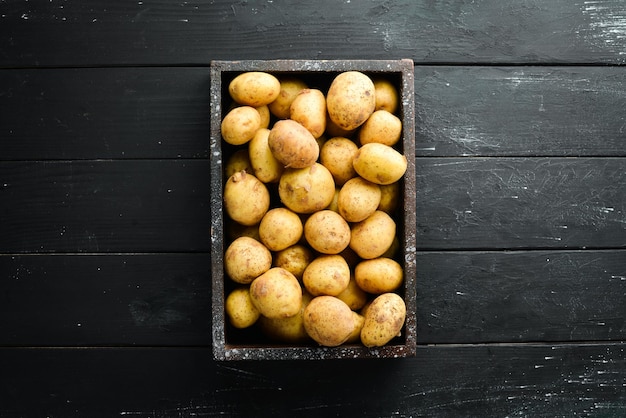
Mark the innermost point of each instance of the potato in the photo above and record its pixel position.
(337, 155)
(328, 320)
(351, 99)
(350, 256)
(373, 236)
(290, 329)
(392, 251)
(264, 165)
(306, 190)
(246, 199)
(240, 124)
(289, 89)
(264, 113)
(239, 161)
(384, 320)
(280, 228)
(386, 95)
(389, 197)
(292, 144)
(333, 204)
(246, 259)
(378, 275)
(353, 295)
(327, 232)
(254, 88)
(333, 130)
(276, 293)
(355, 336)
(294, 259)
(235, 230)
(239, 308)
(309, 109)
(382, 127)
(379, 163)
(326, 275)
(358, 199)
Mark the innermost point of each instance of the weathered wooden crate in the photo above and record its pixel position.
(232, 344)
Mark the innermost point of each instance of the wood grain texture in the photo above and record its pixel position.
(75, 33)
(509, 203)
(112, 299)
(526, 380)
(462, 203)
(104, 206)
(520, 111)
(521, 296)
(164, 299)
(98, 113)
(126, 113)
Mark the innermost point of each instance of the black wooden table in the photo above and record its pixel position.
(104, 207)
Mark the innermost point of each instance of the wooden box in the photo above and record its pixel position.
(233, 344)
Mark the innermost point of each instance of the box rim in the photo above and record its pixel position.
(222, 350)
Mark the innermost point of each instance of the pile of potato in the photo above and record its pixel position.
(311, 240)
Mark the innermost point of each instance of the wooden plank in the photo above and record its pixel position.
(105, 299)
(521, 111)
(526, 380)
(124, 113)
(164, 299)
(104, 206)
(450, 31)
(508, 203)
(462, 203)
(521, 296)
(104, 113)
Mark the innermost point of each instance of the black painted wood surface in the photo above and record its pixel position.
(104, 208)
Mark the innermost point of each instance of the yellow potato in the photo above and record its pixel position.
(373, 236)
(355, 336)
(333, 204)
(393, 250)
(358, 199)
(306, 190)
(238, 161)
(276, 293)
(379, 163)
(389, 197)
(334, 130)
(235, 230)
(246, 259)
(254, 88)
(350, 256)
(337, 155)
(294, 259)
(326, 275)
(382, 127)
(290, 329)
(280, 228)
(379, 275)
(328, 320)
(289, 89)
(239, 308)
(351, 99)
(264, 165)
(309, 110)
(384, 320)
(240, 124)
(292, 144)
(327, 232)
(386, 95)
(353, 295)
(246, 199)
(264, 112)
